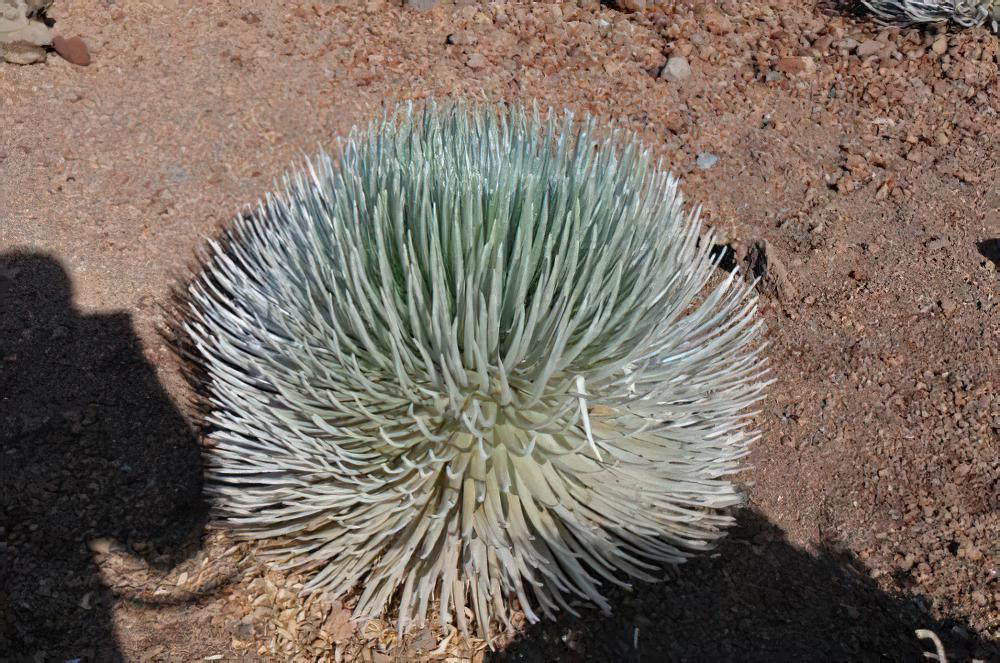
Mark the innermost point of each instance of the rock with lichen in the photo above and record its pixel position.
(24, 33)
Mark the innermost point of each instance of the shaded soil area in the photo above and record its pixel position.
(93, 452)
(759, 599)
(863, 161)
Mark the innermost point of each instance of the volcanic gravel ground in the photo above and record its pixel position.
(853, 167)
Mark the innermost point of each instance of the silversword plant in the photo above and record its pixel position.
(474, 363)
(966, 13)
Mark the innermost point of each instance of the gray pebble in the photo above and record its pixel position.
(705, 160)
(677, 69)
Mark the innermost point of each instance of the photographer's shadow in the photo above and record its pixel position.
(760, 599)
(91, 448)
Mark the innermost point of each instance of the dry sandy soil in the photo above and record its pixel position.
(866, 158)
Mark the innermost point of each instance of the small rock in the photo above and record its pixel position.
(73, 50)
(706, 160)
(935, 244)
(822, 45)
(628, 5)
(463, 38)
(613, 68)
(244, 628)
(151, 653)
(714, 21)
(420, 4)
(868, 48)
(19, 23)
(845, 183)
(476, 61)
(100, 546)
(948, 306)
(424, 641)
(22, 53)
(940, 45)
(338, 624)
(676, 70)
(674, 122)
(796, 65)
(764, 264)
(967, 176)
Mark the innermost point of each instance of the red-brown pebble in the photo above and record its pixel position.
(72, 50)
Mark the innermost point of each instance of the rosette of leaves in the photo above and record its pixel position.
(965, 13)
(479, 361)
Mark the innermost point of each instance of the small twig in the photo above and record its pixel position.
(940, 656)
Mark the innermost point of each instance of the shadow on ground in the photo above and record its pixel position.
(846, 8)
(91, 448)
(990, 249)
(760, 599)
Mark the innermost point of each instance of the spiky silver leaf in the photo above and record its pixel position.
(474, 360)
(966, 13)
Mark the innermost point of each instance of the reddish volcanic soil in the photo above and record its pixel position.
(866, 158)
